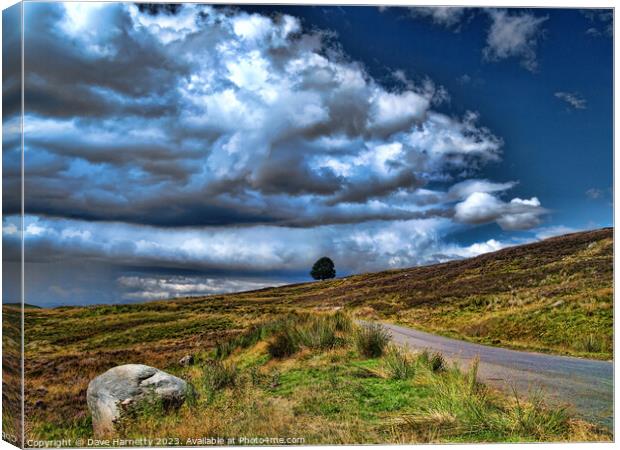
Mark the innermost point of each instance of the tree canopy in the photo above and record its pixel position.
(323, 269)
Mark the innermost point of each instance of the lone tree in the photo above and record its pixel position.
(323, 269)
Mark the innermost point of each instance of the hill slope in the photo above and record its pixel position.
(555, 295)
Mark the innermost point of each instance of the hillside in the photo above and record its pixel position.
(553, 296)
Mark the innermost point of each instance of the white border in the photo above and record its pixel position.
(476, 3)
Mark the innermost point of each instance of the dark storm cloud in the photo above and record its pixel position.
(115, 72)
(158, 160)
(350, 216)
(11, 62)
(50, 99)
(287, 172)
(376, 188)
(151, 212)
(11, 109)
(159, 8)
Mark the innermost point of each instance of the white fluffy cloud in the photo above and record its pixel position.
(514, 35)
(482, 207)
(480, 248)
(602, 21)
(465, 188)
(594, 193)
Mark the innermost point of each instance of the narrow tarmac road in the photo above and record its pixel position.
(587, 385)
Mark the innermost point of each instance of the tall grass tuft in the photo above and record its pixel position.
(224, 348)
(458, 405)
(321, 332)
(145, 408)
(434, 361)
(284, 344)
(536, 419)
(250, 337)
(472, 375)
(317, 333)
(218, 375)
(371, 340)
(399, 363)
(342, 321)
(591, 344)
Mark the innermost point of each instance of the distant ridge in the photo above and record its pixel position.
(17, 304)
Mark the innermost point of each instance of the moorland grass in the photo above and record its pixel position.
(399, 363)
(371, 340)
(339, 395)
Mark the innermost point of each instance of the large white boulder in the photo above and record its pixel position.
(127, 384)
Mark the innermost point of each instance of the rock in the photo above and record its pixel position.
(128, 384)
(558, 303)
(187, 360)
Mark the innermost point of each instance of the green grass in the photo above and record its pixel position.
(397, 397)
(399, 363)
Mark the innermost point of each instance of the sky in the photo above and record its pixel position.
(175, 150)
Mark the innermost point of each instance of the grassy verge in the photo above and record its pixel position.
(320, 378)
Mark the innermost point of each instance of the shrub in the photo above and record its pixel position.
(399, 363)
(371, 340)
(284, 344)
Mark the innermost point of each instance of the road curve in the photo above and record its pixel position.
(587, 385)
